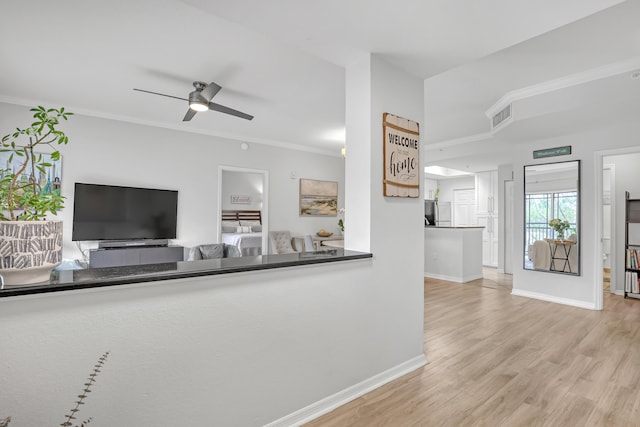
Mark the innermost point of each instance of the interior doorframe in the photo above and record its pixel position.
(598, 193)
(612, 228)
(265, 202)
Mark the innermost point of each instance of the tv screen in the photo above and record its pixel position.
(106, 212)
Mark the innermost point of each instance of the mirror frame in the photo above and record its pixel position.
(578, 219)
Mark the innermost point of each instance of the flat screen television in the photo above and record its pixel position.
(107, 212)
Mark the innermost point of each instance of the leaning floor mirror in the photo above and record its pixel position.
(552, 217)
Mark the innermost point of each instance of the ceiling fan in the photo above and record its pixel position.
(200, 100)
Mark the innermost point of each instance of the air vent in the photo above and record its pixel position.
(501, 117)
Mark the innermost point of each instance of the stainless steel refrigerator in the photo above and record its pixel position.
(443, 214)
(437, 213)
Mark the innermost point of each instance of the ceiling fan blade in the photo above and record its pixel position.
(210, 91)
(227, 110)
(161, 94)
(189, 115)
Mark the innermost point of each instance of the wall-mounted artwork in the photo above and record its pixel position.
(401, 157)
(240, 199)
(51, 181)
(318, 198)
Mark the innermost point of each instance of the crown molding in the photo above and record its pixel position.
(564, 82)
(178, 127)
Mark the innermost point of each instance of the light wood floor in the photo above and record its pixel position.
(499, 360)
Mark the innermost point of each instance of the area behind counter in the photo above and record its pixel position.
(453, 253)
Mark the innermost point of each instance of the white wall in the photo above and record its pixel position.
(389, 227)
(243, 184)
(111, 152)
(575, 290)
(232, 350)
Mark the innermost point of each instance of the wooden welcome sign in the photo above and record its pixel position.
(401, 157)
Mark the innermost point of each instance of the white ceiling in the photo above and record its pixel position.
(283, 61)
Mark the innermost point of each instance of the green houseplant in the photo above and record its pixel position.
(30, 244)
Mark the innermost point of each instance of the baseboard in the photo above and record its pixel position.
(457, 279)
(617, 292)
(334, 401)
(551, 298)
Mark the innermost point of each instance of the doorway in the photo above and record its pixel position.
(608, 219)
(244, 189)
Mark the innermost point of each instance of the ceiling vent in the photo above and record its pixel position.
(501, 117)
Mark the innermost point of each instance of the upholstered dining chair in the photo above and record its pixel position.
(281, 242)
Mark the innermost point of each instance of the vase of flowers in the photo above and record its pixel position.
(559, 226)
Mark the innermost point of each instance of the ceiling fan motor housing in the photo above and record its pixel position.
(196, 99)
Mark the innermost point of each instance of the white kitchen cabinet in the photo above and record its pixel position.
(487, 193)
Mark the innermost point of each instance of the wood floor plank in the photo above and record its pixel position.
(500, 360)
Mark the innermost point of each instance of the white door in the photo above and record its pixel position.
(508, 227)
(464, 207)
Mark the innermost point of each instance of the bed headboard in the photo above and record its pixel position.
(242, 216)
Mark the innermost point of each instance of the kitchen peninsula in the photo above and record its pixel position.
(453, 253)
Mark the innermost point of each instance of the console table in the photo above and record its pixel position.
(563, 257)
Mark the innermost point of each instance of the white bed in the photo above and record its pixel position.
(243, 229)
(250, 244)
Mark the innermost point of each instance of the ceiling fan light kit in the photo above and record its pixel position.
(200, 100)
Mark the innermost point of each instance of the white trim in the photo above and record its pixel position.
(598, 286)
(557, 300)
(457, 279)
(329, 403)
(563, 83)
(613, 265)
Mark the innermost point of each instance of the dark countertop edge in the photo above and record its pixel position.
(454, 228)
(156, 277)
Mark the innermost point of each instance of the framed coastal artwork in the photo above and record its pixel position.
(318, 198)
(401, 157)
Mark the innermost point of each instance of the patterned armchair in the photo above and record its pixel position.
(281, 242)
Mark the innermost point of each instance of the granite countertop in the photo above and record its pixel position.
(65, 280)
(456, 228)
